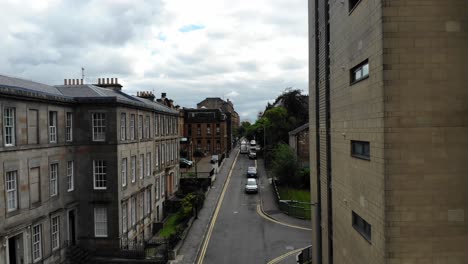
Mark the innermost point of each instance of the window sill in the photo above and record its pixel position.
(363, 235)
(360, 157)
(360, 80)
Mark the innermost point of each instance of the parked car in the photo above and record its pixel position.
(185, 163)
(214, 159)
(253, 143)
(252, 172)
(251, 186)
(252, 155)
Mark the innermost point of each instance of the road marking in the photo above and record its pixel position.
(215, 215)
(269, 218)
(278, 259)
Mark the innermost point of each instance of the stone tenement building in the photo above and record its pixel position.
(81, 164)
(389, 131)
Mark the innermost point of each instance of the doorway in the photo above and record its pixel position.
(72, 227)
(15, 249)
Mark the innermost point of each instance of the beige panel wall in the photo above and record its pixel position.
(426, 119)
(357, 114)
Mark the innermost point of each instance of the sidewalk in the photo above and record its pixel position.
(188, 253)
(269, 205)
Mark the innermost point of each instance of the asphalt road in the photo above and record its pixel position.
(240, 234)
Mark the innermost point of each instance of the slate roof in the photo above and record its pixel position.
(299, 129)
(75, 93)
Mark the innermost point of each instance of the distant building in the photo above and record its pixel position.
(227, 107)
(299, 142)
(389, 131)
(81, 164)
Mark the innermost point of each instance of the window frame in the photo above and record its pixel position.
(9, 129)
(362, 155)
(124, 217)
(133, 167)
(55, 233)
(147, 127)
(133, 210)
(362, 227)
(123, 126)
(148, 201)
(149, 166)
(53, 135)
(53, 179)
(98, 122)
(123, 172)
(359, 68)
(132, 127)
(103, 221)
(36, 242)
(70, 175)
(140, 126)
(142, 166)
(101, 166)
(12, 191)
(69, 127)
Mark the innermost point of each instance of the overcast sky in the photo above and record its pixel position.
(247, 51)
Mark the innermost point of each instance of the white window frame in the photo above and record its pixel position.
(142, 166)
(11, 188)
(141, 205)
(100, 174)
(156, 124)
(133, 168)
(124, 217)
(148, 201)
(53, 177)
(156, 154)
(69, 126)
(71, 175)
(52, 126)
(123, 172)
(157, 188)
(149, 168)
(100, 222)
(133, 210)
(36, 237)
(140, 126)
(132, 127)
(55, 232)
(98, 121)
(9, 122)
(147, 126)
(123, 126)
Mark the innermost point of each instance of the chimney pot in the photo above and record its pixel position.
(64, 81)
(116, 80)
(81, 82)
(163, 95)
(73, 80)
(107, 81)
(99, 80)
(112, 80)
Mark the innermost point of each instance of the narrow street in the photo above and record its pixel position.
(240, 234)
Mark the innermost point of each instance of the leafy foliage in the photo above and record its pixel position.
(285, 165)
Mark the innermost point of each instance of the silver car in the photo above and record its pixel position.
(251, 186)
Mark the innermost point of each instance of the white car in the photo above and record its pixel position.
(251, 186)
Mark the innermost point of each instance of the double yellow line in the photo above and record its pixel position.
(215, 215)
(278, 259)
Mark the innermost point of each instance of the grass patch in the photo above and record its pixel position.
(294, 194)
(170, 226)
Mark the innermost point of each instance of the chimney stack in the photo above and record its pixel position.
(146, 95)
(112, 84)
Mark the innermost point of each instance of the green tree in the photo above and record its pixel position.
(285, 166)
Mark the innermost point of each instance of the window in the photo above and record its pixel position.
(99, 126)
(141, 201)
(156, 188)
(9, 126)
(36, 242)
(132, 210)
(149, 169)
(34, 185)
(163, 185)
(360, 72)
(70, 178)
(148, 201)
(123, 126)
(133, 167)
(123, 172)
(208, 146)
(156, 158)
(353, 4)
(99, 174)
(100, 222)
(124, 217)
(147, 127)
(68, 127)
(140, 127)
(360, 149)
(189, 129)
(362, 226)
(11, 183)
(156, 117)
(53, 179)
(53, 127)
(142, 165)
(132, 127)
(163, 125)
(198, 130)
(166, 125)
(208, 129)
(55, 230)
(218, 129)
(218, 146)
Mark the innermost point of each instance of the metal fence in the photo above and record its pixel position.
(292, 208)
(305, 257)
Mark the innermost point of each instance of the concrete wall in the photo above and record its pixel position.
(426, 125)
